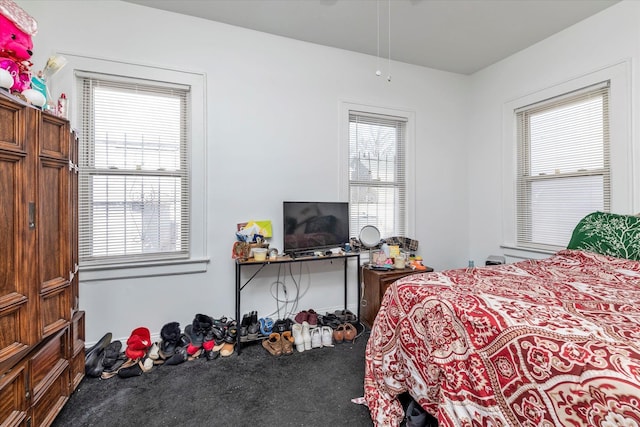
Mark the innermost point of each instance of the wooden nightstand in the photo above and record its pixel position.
(376, 283)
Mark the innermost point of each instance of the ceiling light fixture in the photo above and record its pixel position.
(389, 33)
(378, 72)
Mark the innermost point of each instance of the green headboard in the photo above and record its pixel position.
(608, 234)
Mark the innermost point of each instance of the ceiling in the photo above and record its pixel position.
(461, 36)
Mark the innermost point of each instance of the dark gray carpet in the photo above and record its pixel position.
(312, 388)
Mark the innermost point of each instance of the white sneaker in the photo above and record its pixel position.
(296, 331)
(327, 336)
(316, 338)
(306, 335)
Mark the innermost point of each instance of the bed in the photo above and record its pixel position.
(551, 342)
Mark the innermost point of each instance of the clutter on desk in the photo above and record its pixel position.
(250, 236)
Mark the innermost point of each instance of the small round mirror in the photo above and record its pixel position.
(369, 236)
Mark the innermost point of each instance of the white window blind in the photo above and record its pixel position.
(134, 175)
(377, 181)
(563, 165)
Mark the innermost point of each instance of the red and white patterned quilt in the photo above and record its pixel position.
(554, 342)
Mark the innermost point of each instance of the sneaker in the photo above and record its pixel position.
(302, 316)
(306, 335)
(296, 331)
(316, 338)
(327, 336)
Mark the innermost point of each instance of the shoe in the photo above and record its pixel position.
(266, 326)
(330, 320)
(227, 349)
(99, 346)
(253, 330)
(296, 332)
(136, 370)
(196, 338)
(327, 336)
(301, 317)
(273, 344)
(346, 316)
(244, 326)
(170, 334)
(312, 318)
(350, 332)
(415, 416)
(287, 342)
(138, 343)
(94, 356)
(338, 334)
(93, 366)
(179, 356)
(316, 338)
(306, 335)
(211, 354)
(113, 370)
(154, 352)
(112, 354)
(229, 340)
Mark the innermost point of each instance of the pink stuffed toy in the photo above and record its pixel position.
(16, 29)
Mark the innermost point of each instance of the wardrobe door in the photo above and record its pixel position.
(73, 206)
(17, 233)
(54, 220)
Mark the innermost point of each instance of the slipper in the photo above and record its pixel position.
(266, 325)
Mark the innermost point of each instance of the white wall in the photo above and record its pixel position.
(608, 38)
(273, 134)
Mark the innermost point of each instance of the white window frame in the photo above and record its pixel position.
(620, 145)
(409, 161)
(198, 259)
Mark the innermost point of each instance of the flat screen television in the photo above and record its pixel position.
(311, 226)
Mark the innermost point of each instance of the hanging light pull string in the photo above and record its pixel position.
(389, 57)
(378, 72)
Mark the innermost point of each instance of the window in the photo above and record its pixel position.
(377, 173)
(563, 170)
(134, 171)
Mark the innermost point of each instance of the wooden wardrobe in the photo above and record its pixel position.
(41, 327)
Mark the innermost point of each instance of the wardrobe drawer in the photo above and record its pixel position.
(47, 364)
(13, 396)
(51, 400)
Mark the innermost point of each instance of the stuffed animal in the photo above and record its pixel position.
(16, 30)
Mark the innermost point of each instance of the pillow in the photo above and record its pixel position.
(608, 234)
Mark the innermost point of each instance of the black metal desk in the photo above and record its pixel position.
(287, 260)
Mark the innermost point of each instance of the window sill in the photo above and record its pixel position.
(130, 271)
